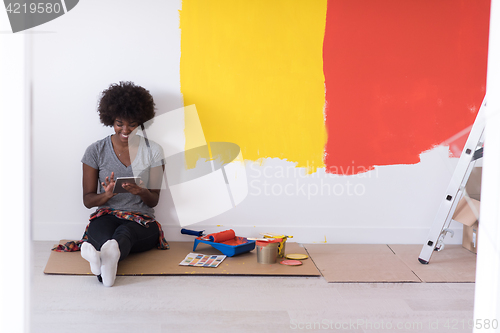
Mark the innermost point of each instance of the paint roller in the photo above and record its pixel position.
(217, 237)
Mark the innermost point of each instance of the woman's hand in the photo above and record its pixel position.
(134, 188)
(150, 195)
(109, 185)
(90, 183)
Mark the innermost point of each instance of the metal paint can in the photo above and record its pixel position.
(267, 251)
(281, 246)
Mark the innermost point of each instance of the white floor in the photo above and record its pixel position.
(151, 304)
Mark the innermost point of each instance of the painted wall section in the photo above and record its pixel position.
(254, 71)
(401, 77)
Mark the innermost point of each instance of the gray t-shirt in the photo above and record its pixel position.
(101, 156)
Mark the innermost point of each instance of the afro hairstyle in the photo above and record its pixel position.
(127, 101)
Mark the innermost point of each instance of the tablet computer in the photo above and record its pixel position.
(122, 180)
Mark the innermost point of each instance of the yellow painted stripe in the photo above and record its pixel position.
(254, 70)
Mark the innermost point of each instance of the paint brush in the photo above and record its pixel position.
(217, 237)
(270, 234)
(193, 232)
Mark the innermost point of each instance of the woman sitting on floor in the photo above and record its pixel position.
(124, 222)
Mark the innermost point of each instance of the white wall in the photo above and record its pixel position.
(15, 269)
(101, 42)
(76, 57)
(487, 295)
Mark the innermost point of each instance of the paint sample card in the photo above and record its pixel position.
(202, 260)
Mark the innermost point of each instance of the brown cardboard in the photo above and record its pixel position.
(473, 186)
(466, 214)
(452, 264)
(391, 263)
(469, 239)
(359, 263)
(166, 262)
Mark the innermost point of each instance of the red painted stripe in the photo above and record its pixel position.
(401, 77)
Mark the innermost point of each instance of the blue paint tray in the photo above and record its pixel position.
(228, 250)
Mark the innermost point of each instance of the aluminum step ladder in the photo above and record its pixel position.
(472, 151)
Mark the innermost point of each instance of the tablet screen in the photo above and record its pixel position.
(122, 180)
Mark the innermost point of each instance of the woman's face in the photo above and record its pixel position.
(124, 129)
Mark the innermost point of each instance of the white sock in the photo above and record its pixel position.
(110, 254)
(93, 256)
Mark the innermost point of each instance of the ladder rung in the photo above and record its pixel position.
(478, 154)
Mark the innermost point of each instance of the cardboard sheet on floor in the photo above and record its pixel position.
(359, 263)
(452, 264)
(166, 262)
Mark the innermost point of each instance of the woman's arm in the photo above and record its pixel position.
(89, 182)
(149, 196)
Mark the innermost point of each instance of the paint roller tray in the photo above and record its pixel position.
(227, 249)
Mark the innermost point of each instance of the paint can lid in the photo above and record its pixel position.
(291, 262)
(297, 256)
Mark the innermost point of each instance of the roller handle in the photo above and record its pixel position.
(192, 232)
